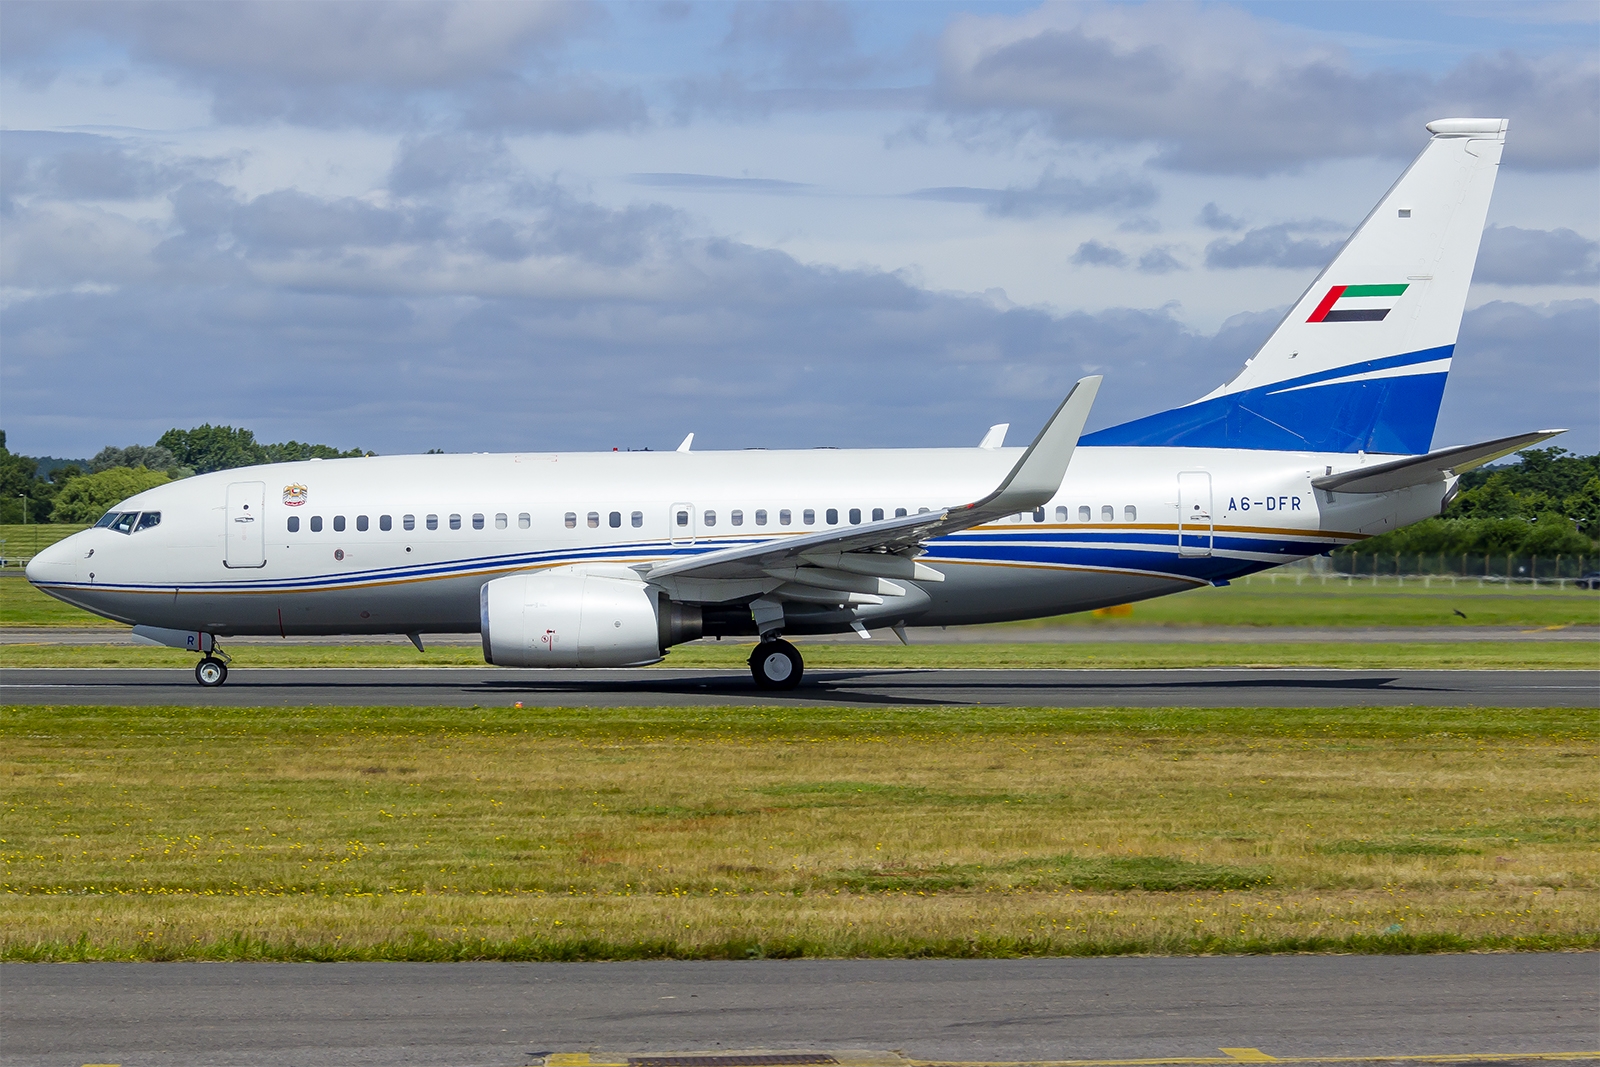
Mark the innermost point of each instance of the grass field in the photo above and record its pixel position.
(1481, 655)
(19, 542)
(419, 833)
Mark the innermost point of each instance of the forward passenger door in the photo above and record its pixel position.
(246, 544)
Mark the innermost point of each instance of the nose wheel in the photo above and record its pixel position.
(776, 665)
(211, 672)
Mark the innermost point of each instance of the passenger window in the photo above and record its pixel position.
(294, 524)
(477, 520)
(855, 515)
(500, 521)
(408, 521)
(316, 524)
(761, 517)
(1083, 513)
(385, 523)
(1107, 513)
(338, 524)
(833, 516)
(1130, 514)
(433, 522)
(361, 523)
(571, 520)
(785, 516)
(637, 518)
(899, 513)
(809, 517)
(455, 522)
(736, 517)
(594, 520)
(524, 520)
(922, 511)
(1038, 514)
(877, 514)
(1061, 514)
(149, 519)
(615, 519)
(107, 519)
(711, 518)
(682, 518)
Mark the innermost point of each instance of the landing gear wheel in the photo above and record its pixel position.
(211, 672)
(776, 665)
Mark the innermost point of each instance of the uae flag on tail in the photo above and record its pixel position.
(1357, 303)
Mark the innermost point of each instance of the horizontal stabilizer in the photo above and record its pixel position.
(1436, 466)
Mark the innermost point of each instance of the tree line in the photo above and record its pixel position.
(44, 490)
(1546, 505)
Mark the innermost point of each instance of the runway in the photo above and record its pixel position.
(861, 1011)
(488, 686)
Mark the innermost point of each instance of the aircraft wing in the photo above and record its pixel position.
(1433, 467)
(870, 554)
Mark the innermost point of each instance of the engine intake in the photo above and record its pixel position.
(563, 619)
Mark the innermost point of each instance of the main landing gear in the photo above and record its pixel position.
(776, 665)
(211, 671)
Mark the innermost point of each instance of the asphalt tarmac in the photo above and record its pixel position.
(488, 686)
(860, 1011)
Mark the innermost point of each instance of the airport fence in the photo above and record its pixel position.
(1501, 566)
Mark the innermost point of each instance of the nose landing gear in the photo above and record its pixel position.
(776, 665)
(211, 671)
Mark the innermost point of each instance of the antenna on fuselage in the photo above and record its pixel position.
(996, 436)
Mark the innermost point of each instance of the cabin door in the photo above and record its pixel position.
(1194, 513)
(247, 535)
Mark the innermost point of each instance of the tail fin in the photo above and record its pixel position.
(1359, 364)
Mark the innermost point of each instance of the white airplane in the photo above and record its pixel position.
(608, 559)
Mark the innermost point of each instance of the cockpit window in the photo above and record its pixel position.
(107, 519)
(149, 519)
(124, 523)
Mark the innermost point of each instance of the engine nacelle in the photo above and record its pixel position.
(566, 619)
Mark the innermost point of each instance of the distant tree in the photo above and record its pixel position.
(1583, 508)
(216, 448)
(1542, 480)
(210, 448)
(151, 457)
(89, 496)
(294, 451)
(22, 488)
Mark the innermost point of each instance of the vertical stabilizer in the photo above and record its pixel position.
(1359, 363)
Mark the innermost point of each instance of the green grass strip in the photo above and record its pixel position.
(422, 949)
(134, 726)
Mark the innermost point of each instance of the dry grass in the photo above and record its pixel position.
(440, 833)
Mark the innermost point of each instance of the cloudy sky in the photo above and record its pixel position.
(495, 226)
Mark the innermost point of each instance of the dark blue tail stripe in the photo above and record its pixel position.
(1391, 415)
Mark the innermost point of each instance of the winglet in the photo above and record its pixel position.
(687, 441)
(1037, 476)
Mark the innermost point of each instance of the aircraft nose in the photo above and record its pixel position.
(57, 563)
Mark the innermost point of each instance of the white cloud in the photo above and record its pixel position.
(1221, 91)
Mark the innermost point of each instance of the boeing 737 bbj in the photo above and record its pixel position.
(609, 559)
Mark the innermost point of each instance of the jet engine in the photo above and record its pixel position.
(568, 619)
